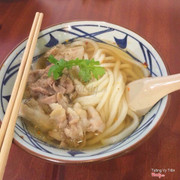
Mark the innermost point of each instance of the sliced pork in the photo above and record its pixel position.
(51, 103)
(60, 52)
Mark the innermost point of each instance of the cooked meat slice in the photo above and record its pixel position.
(59, 88)
(56, 134)
(56, 98)
(45, 82)
(73, 117)
(46, 108)
(56, 51)
(36, 91)
(72, 96)
(71, 133)
(96, 123)
(48, 99)
(61, 99)
(39, 83)
(74, 129)
(68, 53)
(63, 144)
(67, 83)
(74, 132)
(41, 87)
(35, 75)
(32, 112)
(82, 114)
(73, 53)
(58, 115)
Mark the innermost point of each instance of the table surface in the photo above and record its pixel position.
(158, 21)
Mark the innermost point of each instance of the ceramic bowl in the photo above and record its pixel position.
(129, 42)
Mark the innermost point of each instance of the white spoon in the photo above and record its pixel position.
(142, 94)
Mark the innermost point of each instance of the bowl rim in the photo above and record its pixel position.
(107, 157)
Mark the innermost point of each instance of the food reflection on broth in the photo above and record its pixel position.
(70, 113)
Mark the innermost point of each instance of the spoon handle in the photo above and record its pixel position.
(164, 85)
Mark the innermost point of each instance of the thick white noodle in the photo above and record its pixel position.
(93, 43)
(126, 58)
(126, 132)
(123, 66)
(116, 70)
(120, 119)
(96, 83)
(107, 92)
(102, 86)
(98, 54)
(108, 65)
(101, 58)
(77, 43)
(90, 100)
(116, 99)
(114, 126)
(109, 58)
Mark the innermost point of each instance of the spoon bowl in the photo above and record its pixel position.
(144, 93)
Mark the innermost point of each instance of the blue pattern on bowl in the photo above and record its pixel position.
(52, 42)
(122, 43)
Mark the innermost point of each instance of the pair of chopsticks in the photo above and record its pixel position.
(9, 120)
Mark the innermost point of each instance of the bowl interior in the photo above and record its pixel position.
(128, 41)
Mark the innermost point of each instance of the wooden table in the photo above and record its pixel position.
(158, 21)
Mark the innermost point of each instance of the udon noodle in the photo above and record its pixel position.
(106, 95)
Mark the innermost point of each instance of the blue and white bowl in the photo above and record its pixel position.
(128, 41)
